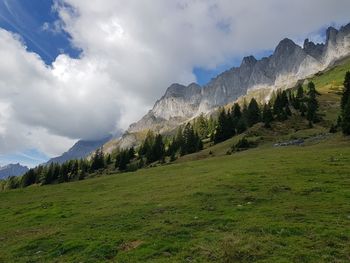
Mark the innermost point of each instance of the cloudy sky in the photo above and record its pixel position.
(77, 69)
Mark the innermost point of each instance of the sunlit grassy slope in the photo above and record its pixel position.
(268, 204)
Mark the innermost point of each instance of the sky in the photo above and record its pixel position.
(77, 69)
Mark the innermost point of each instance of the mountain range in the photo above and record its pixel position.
(80, 149)
(12, 170)
(288, 63)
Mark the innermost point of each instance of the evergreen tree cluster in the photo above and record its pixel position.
(204, 127)
(153, 148)
(59, 173)
(236, 121)
(123, 158)
(281, 107)
(186, 141)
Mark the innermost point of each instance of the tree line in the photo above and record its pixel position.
(52, 173)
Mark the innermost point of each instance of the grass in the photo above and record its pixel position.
(267, 204)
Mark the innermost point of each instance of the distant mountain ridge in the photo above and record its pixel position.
(12, 170)
(80, 149)
(288, 64)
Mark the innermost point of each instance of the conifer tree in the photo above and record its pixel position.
(108, 159)
(211, 126)
(123, 160)
(344, 118)
(158, 149)
(253, 113)
(277, 106)
(146, 146)
(312, 104)
(284, 98)
(28, 178)
(188, 145)
(346, 91)
(300, 92)
(97, 161)
(202, 127)
(236, 115)
(224, 130)
(236, 112)
(267, 115)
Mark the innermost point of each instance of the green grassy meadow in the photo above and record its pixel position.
(267, 204)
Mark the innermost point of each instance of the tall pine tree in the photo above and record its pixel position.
(312, 104)
(253, 113)
(267, 116)
(346, 91)
(345, 106)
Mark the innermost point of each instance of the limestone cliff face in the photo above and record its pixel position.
(288, 64)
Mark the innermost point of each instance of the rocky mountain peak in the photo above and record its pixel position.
(248, 61)
(345, 29)
(175, 90)
(312, 49)
(286, 46)
(181, 91)
(331, 35)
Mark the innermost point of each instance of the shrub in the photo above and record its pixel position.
(243, 144)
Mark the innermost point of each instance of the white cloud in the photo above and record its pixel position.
(133, 50)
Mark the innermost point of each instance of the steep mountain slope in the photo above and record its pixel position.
(288, 64)
(12, 170)
(79, 150)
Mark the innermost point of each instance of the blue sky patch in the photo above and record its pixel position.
(30, 20)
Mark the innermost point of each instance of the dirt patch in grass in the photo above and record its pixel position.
(130, 245)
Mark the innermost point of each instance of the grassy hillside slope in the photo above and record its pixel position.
(268, 204)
